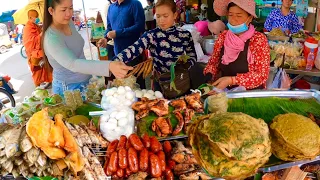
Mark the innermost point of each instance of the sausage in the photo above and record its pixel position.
(128, 171)
(168, 174)
(143, 160)
(155, 145)
(146, 140)
(120, 173)
(162, 159)
(114, 176)
(106, 163)
(109, 172)
(123, 158)
(112, 147)
(167, 148)
(128, 144)
(133, 160)
(136, 142)
(171, 163)
(113, 163)
(122, 142)
(155, 166)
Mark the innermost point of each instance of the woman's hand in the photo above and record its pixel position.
(102, 43)
(119, 69)
(223, 82)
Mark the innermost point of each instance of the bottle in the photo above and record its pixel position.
(310, 60)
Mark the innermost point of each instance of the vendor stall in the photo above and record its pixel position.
(129, 133)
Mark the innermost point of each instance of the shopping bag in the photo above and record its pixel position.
(285, 81)
(97, 31)
(281, 80)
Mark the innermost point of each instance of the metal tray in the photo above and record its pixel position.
(298, 94)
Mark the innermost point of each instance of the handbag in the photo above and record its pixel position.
(181, 81)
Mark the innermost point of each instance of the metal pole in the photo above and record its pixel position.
(85, 16)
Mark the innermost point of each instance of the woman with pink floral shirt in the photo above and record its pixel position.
(241, 55)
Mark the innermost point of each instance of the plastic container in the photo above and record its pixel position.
(311, 43)
(310, 60)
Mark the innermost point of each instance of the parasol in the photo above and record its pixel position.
(21, 16)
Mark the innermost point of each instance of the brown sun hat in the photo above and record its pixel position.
(221, 6)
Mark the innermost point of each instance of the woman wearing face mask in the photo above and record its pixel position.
(241, 55)
(283, 18)
(63, 46)
(166, 42)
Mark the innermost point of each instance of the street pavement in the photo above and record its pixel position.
(14, 65)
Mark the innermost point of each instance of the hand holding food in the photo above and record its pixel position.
(119, 69)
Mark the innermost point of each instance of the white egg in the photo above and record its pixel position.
(103, 92)
(108, 98)
(111, 126)
(150, 92)
(147, 95)
(105, 105)
(144, 91)
(127, 102)
(109, 92)
(121, 98)
(120, 115)
(139, 94)
(114, 101)
(113, 114)
(127, 88)
(129, 95)
(125, 112)
(104, 118)
(112, 121)
(122, 122)
(115, 89)
(158, 94)
(118, 130)
(121, 90)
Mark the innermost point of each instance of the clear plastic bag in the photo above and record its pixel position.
(281, 80)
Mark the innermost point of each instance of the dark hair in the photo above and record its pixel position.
(169, 3)
(47, 21)
(230, 5)
(152, 1)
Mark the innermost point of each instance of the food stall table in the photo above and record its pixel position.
(301, 72)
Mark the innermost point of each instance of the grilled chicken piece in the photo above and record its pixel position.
(183, 158)
(142, 113)
(161, 108)
(179, 148)
(140, 105)
(179, 104)
(183, 168)
(162, 126)
(193, 100)
(151, 103)
(180, 124)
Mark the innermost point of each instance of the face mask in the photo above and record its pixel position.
(37, 21)
(238, 29)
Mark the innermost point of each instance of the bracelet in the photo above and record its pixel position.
(232, 83)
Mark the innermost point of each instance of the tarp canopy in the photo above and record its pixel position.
(6, 16)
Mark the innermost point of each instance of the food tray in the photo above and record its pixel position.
(297, 94)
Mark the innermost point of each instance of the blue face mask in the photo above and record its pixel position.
(238, 29)
(37, 21)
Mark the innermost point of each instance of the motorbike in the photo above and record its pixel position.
(6, 92)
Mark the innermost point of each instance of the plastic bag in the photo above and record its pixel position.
(285, 80)
(281, 80)
(317, 61)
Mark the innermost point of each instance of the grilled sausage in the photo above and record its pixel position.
(171, 163)
(168, 174)
(112, 147)
(167, 148)
(162, 158)
(146, 140)
(133, 160)
(143, 160)
(120, 173)
(155, 145)
(123, 158)
(113, 163)
(136, 142)
(122, 142)
(155, 166)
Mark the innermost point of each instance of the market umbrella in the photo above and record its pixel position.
(21, 16)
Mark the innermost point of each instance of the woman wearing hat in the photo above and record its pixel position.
(241, 55)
